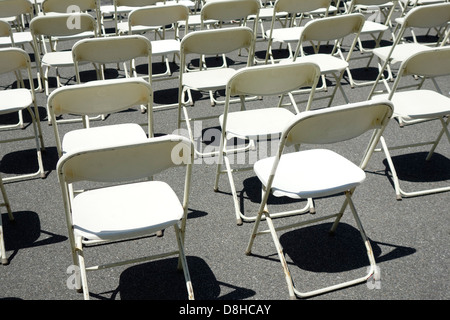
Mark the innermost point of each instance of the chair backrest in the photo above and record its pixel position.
(5, 31)
(340, 123)
(300, 6)
(135, 3)
(13, 8)
(62, 24)
(332, 29)
(217, 41)
(100, 97)
(227, 10)
(154, 16)
(284, 78)
(335, 124)
(113, 49)
(69, 6)
(16, 60)
(13, 59)
(124, 163)
(428, 16)
(427, 64)
(354, 3)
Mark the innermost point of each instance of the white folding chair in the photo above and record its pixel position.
(159, 17)
(7, 205)
(334, 29)
(260, 124)
(16, 60)
(378, 15)
(204, 43)
(45, 28)
(17, 9)
(134, 208)
(120, 10)
(290, 33)
(427, 16)
(101, 97)
(319, 172)
(414, 104)
(221, 13)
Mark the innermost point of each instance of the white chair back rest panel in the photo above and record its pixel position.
(217, 41)
(428, 16)
(12, 8)
(226, 10)
(111, 49)
(369, 2)
(332, 28)
(57, 25)
(66, 6)
(5, 29)
(331, 125)
(296, 6)
(154, 16)
(13, 59)
(135, 3)
(283, 79)
(430, 63)
(100, 97)
(126, 162)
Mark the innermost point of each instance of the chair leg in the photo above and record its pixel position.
(183, 262)
(82, 266)
(400, 193)
(293, 292)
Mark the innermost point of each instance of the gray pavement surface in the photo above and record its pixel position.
(409, 237)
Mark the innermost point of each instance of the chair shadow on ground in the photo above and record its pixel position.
(24, 161)
(344, 251)
(413, 167)
(25, 232)
(319, 251)
(160, 280)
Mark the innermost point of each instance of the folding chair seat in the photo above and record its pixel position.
(7, 205)
(101, 97)
(159, 17)
(374, 27)
(290, 33)
(45, 28)
(415, 104)
(204, 44)
(335, 29)
(427, 16)
(259, 124)
(317, 172)
(16, 60)
(127, 204)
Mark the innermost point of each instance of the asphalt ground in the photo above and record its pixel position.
(409, 237)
